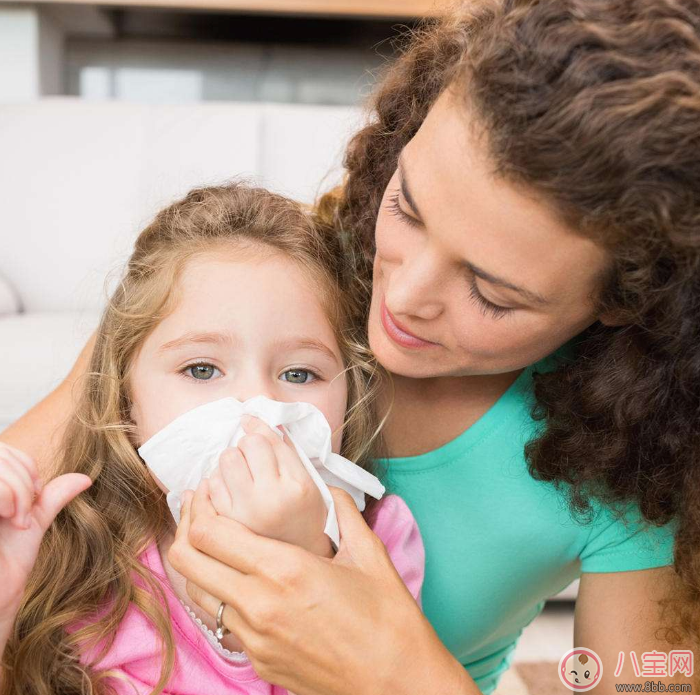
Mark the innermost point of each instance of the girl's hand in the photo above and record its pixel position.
(312, 625)
(27, 509)
(263, 484)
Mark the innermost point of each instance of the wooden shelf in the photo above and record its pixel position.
(399, 9)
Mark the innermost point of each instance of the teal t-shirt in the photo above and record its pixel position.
(498, 543)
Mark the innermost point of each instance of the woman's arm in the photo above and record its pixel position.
(620, 612)
(39, 431)
(313, 625)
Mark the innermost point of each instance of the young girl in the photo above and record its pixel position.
(232, 291)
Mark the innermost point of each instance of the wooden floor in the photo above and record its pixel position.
(540, 678)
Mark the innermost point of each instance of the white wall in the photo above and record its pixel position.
(31, 53)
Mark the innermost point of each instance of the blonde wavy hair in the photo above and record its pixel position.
(88, 557)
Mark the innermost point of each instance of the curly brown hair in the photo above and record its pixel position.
(596, 105)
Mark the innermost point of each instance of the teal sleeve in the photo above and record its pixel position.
(629, 543)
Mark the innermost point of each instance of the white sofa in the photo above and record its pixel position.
(79, 179)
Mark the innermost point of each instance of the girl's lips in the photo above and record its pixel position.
(399, 334)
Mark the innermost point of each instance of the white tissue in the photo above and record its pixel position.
(188, 449)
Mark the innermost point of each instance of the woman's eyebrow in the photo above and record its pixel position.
(533, 297)
(529, 295)
(403, 183)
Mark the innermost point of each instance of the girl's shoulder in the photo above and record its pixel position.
(390, 514)
(394, 524)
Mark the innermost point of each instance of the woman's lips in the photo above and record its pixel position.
(399, 334)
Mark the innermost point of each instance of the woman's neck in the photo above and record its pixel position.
(179, 585)
(449, 404)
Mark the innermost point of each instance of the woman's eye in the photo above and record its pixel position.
(395, 209)
(201, 372)
(498, 312)
(299, 376)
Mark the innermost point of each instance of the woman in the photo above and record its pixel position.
(527, 192)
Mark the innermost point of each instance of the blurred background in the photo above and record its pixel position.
(109, 112)
(186, 51)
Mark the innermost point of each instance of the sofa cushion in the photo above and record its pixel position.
(37, 351)
(302, 150)
(9, 301)
(84, 178)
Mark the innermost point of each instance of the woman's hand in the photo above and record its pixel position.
(263, 484)
(26, 511)
(345, 626)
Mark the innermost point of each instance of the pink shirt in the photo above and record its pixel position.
(199, 668)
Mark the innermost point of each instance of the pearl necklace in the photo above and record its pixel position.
(238, 657)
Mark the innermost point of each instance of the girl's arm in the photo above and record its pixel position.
(39, 431)
(27, 509)
(313, 625)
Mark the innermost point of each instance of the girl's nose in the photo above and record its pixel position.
(251, 385)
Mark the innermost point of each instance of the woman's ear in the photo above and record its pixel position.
(614, 317)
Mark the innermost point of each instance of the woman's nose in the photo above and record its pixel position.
(413, 289)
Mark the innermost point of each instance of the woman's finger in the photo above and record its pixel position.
(356, 537)
(196, 566)
(183, 527)
(207, 572)
(230, 542)
(206, 601)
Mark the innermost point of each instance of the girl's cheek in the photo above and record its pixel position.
(337, 441)
(136, 436)
(158, 483)
(334, 410)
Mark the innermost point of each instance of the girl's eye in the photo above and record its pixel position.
(395, 209)
(200, 371)
(498, 312)
(299, 376)
(587, 674)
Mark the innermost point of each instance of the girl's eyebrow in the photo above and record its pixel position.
(306, 343)
(213, 338)
(197, 338)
